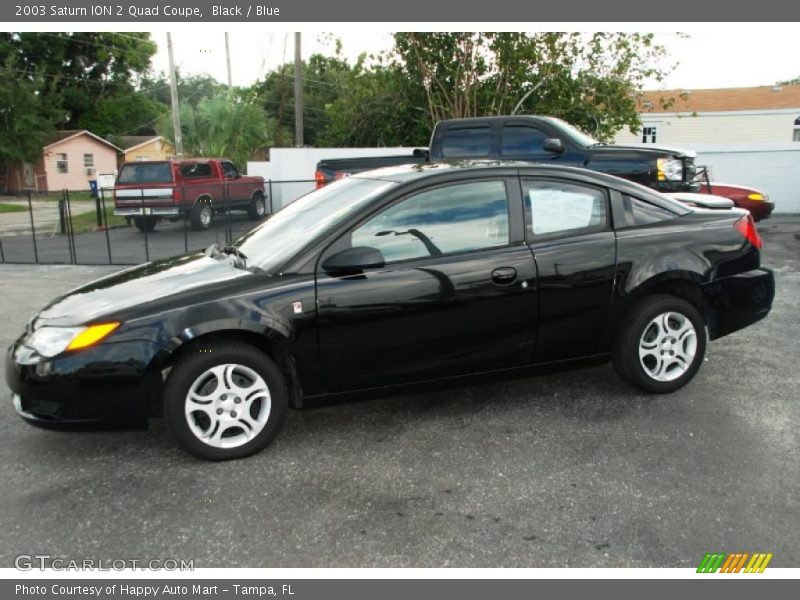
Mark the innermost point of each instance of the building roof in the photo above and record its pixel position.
(67, 134)
(131, 142)
(765, 97)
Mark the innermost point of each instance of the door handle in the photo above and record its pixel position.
(504, 275)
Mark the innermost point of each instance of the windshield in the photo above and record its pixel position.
(275, 241)
(159, 172)
(576, 134)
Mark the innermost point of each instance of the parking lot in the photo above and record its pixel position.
(568, 469)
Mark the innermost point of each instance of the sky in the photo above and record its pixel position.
(712, 56)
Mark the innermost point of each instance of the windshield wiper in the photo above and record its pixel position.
(240, 258)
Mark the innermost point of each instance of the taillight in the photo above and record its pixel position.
(176, 194)
(320, 179)
(747, 227)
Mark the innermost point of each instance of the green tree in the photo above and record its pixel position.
(323, 79)
(225, 125)
(377, 106)
(590, 80)
(81, 73)
(26, 119)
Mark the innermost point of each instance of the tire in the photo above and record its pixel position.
(202, 214)
(660, 344)
(258, 207)
(145, 223)
(252, 383)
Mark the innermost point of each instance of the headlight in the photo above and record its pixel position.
(670, 169)
(756, 196)
(49, 341)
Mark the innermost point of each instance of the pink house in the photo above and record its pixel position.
(75, 157)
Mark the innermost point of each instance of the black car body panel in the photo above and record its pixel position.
(438, 317)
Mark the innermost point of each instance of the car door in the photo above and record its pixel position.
(456, 294)
(236, 189)
(569, 231)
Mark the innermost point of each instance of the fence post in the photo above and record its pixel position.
(71, 230)
(97, 210)
(102, 199)
(2, 254)
(226, 198)
(144, 226)
(62, 223)
(185, 215)
(271, 206)
(33, 231)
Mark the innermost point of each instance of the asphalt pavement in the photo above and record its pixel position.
(570, 469)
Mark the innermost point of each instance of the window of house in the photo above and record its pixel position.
(796, 135)
(62, 165)
(88, 160)
(649, 134)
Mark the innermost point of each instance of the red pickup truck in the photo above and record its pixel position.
(195, 188)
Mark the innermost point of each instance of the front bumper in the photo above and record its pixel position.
(739, 300)
(108, 384)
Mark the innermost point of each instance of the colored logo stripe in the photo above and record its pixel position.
(734, 562)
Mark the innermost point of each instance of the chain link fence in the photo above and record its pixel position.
(86, 228)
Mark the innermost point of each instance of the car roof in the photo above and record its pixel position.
(406, 174)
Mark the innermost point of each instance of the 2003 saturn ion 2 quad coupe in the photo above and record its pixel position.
(395, 277)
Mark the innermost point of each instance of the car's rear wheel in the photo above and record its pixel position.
(202, 214)
(225, 400)
(145, 223)
(660, 344)
(258, 207)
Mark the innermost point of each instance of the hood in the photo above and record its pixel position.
(645, 149)
(151, 283)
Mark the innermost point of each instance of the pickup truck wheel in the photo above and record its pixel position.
(202, 215)
(225, 400)
(257, 208)
(145, 223)
(660, 344)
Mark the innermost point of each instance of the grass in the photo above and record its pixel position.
(9, 208)
(87, 222)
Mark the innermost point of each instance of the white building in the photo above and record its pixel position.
(746, 136)
(718, 116)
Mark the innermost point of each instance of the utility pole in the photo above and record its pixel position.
(173, 92)
(298, 94)
(228, 58)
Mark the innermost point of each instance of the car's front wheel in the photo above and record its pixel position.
(660, 344)
(224, 400)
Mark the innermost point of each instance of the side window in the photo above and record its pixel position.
(522, 140)
(190, 170)
(557, 208)
(229, 171)
(445, 220)
(639, 212)
(466, 142)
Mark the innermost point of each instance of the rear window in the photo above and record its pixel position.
(639, 212)
(145, 173)
(190, 170)
(467, 142)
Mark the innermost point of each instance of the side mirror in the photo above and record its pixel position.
(354, 259)
(554, 145)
